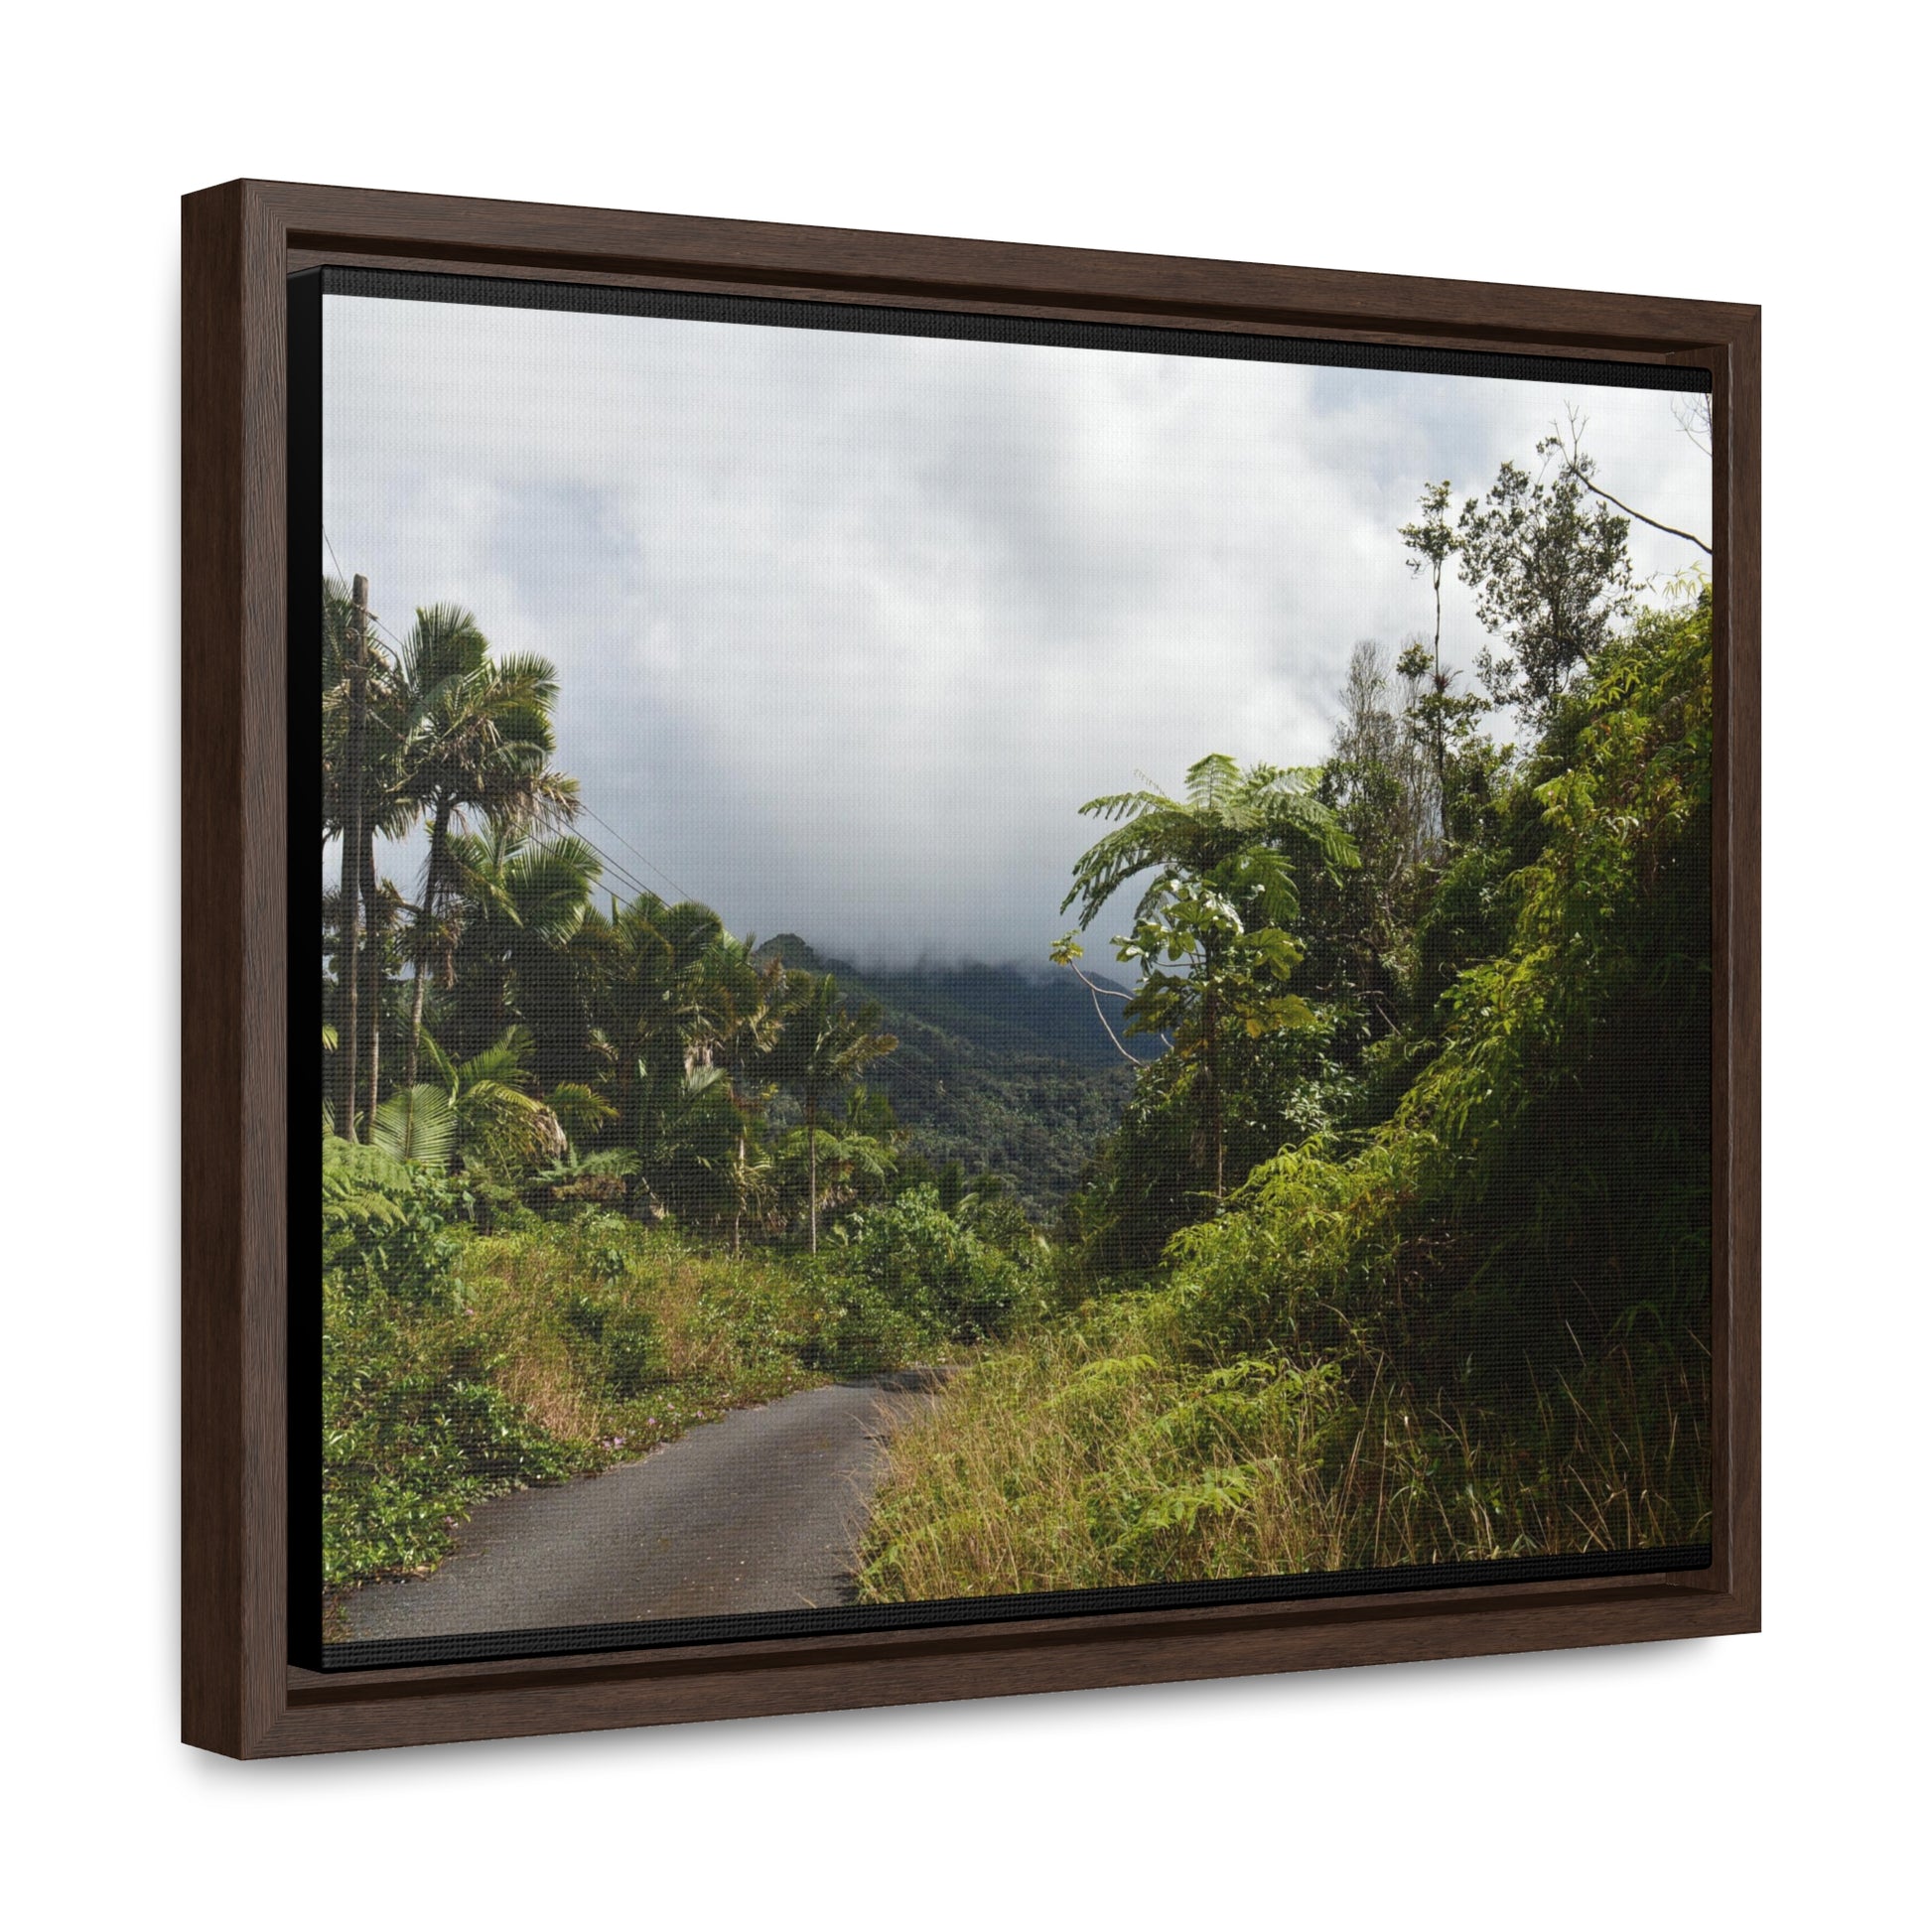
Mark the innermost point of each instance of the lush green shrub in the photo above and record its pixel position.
(414, 1431)
(925, 1265)
(1544, 1182)
(858, 1330)
(622, 1335)
(387, 1225)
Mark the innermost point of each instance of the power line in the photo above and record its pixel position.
(623, 876)
(556, 825)
(633, 850)
(373, 618)
(611, 870)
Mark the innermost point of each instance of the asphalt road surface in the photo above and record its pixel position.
(760, 1510)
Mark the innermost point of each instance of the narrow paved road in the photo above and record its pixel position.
(760, 1510)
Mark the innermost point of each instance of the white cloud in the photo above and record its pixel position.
(848, 625)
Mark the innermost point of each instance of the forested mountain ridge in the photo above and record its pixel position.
(1005, 1071)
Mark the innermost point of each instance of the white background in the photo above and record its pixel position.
(1684, 149)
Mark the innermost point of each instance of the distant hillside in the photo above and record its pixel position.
(1005, 1071)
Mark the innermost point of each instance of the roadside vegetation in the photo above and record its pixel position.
(459, 1364)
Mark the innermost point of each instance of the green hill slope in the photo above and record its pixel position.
(1003, 1070)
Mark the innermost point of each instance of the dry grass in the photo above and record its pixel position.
(627, 1344)
(1080, 1460)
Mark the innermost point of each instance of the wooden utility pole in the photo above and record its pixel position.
(348, 975)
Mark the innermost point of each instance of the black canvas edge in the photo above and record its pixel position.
(856, 1621)
(867, 319)
(307, 1647)
(303, 1346)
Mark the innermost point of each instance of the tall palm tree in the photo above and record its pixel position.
(654, 992)
(742, 1016)
(475, 737)
(380, 809)
(825, 1045)
(523, 899)
(334, 702)
(690, 1144)
(645, 977)
(745, 1004)
(860, 1149)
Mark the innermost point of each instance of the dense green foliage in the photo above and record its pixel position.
(1543, 1185)
(1458, 1303)
(946, 1270)
(414, 1425)
(996, 1071)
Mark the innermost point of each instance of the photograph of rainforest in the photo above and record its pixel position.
(956, 965)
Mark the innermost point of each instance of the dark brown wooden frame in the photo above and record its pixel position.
(239, 1692)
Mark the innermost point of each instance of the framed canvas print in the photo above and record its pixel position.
(1034, 968)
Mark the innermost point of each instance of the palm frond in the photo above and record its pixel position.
(418, 1125)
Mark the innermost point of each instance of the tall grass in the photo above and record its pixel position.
(1099, 1455)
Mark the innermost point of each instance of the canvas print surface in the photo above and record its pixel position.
(968, 968)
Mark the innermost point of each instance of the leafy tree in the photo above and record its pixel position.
(1224, 811)
(1693, 418)
(1221, 896)
(1552, 578)
(859, 1151)
(1381, 785)
(1222, 930)
(1435, 540)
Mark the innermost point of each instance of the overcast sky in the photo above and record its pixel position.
(847, 626)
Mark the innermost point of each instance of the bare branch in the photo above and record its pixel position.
(1694, 419)
(1669, 529)
(1573, 465)
(1095, 992)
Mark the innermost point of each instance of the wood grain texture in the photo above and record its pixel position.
(214, 1518)
(240, 1695)
(801, 1674)
(445, 229)
(234, 973)
(1299, 325)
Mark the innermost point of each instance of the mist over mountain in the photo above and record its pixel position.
(814, 596)
(1006, 1070)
